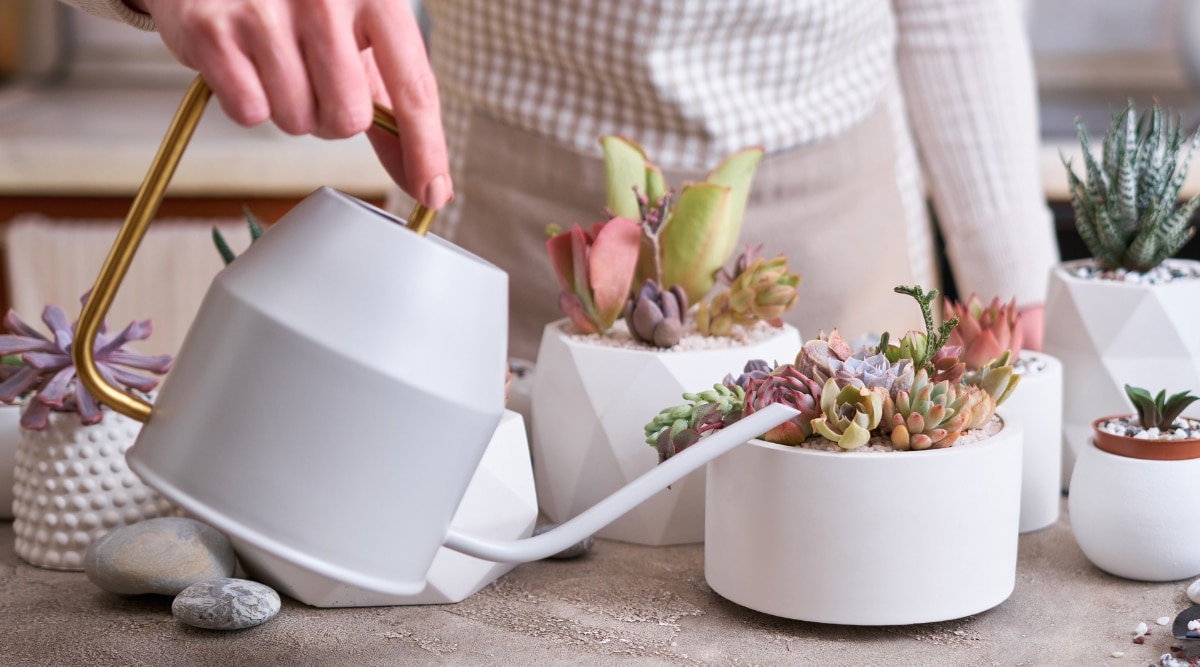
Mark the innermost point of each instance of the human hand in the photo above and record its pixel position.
(1032, 320)
(314, 67)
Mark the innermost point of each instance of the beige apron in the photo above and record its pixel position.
(833, 208)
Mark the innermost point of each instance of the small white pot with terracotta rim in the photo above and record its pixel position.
(1038, 403)
(1133, 503)
(590, 402)
(866, 538)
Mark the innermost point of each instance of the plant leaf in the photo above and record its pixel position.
(625, 167)
(694, 239)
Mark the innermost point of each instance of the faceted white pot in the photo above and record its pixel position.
(72, 486)
(1108, 334)
(1135, 518)
(590, 404)
(10, 435)
(862, 538)
(499, 503)
(1037, 402)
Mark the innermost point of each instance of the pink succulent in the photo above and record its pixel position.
(595, 269)
(984, 333)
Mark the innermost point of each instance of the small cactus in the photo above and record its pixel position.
(849, 414)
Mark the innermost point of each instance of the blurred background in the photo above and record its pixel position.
(84, 103)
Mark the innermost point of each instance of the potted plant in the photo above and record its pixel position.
(71, 484)
(1134, 488)
(633, 337)
(893, 497)
(1127, 314)
(983, 333)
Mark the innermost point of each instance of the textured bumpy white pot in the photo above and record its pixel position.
(500, 503)
(10, 435)
(72, 486)
(862, 538)
(1037, 402)
(1108, 334)
(590, 404)
(1135, 518)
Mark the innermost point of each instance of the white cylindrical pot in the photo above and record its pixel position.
(500, 503)
(862, 538)
(10, 435)
(72, 486)
(1037, 402)
(1108, 334)
(1132, 517)
(590, 404)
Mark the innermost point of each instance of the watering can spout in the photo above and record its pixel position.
(625, 498)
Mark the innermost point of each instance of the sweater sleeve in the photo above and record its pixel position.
(967, 73)
(116, 10)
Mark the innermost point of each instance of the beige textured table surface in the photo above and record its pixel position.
(623, 604)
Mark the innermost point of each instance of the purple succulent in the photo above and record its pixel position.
(49, 372)
(755, 369)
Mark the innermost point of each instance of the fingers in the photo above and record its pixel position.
(423, 168)
(336, 72)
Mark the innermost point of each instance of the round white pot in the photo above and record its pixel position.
(1108, 334)
(10, 435)
(1132, 517)
(590, 403)
(1037, 403)
(500, 502)
(862, 538)
(72, 486)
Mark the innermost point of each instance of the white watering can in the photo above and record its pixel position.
(338, 387)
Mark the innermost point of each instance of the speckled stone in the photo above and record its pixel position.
(576, 550)
(1193, 591)
(226, 604)
(164, 556)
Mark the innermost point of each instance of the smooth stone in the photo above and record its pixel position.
(226, 604)
(163, 555)
(1193, 591)
(576, 550)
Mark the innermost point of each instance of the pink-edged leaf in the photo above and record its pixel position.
(573, 307)
(984, 349)
(155, 364)
(15, 324)
(131, 379)
(54, 392)
(612, 261)
(46, 361)
(20, 383)
(35, 416)
(562, 258)
(10, 344)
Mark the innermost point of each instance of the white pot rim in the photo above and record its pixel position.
(900, 457)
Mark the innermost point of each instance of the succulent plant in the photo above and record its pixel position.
(849, 414)
(1158, 411)
(927, 415)
(785, 385)
(947, 365)
(223, 248)
(1127, 213)
(754, 369)
(996, 382)
(762, 291)
(816, 356)
(921, 347)
(872, 370)
(675, 429)
(48, 372)
(655, 316)
(984, 332)
(687, 242)
(595, 269)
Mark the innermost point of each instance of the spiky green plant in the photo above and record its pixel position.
(227, 253)
(1158, 411)
(675, 429)
(921, 347)
(1128, 212)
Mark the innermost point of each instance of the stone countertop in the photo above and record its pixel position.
(622, 604)
(100, 141)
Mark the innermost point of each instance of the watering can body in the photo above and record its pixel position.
(337, 390)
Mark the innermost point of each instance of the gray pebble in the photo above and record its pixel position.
(574, 551)
(226, 604)
(163, 556)
(1193, 591)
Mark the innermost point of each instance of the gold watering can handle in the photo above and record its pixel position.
(145, 205)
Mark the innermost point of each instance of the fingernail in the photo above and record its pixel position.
(437, 193)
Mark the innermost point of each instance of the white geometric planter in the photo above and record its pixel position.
(1037, 402)
(1135, 518)
(590, 404)
(72, 486)
(1108, 334)
(861, 538)
(499, 503)
(10, 435)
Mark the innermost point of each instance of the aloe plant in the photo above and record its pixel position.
(1158, 411)
(223, 248)
(595, 269)
(1128, 212)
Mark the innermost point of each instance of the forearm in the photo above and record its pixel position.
(968, 80)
